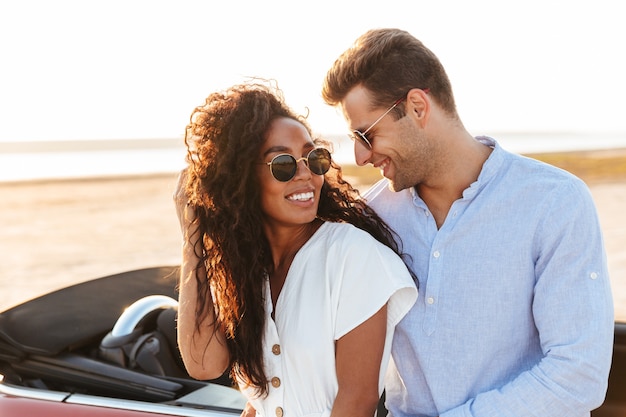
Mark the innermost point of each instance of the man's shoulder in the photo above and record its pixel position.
(534, 180)
(537, 172)
(376, 190)
(381, 192)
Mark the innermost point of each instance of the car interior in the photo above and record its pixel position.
(111, 337)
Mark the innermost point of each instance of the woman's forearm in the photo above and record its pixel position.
(203, 346)
(358, 355)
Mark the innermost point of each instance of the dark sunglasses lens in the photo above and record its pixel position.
(283, 167)
(319, 161)
(360, 137)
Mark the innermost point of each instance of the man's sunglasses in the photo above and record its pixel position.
(284, 166)
(361, 137)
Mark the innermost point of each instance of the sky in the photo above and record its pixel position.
(120, 69)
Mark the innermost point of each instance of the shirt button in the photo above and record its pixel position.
(279, 412)
(276, 382)
(436, 254)
(276, 349)
(593, 275)
(430, 300)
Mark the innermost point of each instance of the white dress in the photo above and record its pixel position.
(337, 280)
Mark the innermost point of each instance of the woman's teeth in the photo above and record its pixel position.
(300, 197)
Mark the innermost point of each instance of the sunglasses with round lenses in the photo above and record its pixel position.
(284, 166)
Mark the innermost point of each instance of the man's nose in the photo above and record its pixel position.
(361, 154)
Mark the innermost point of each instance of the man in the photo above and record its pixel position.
(515, 316)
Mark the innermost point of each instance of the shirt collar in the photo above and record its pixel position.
(489, 170)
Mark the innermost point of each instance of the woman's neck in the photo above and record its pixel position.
(284, 248)
(286, 242)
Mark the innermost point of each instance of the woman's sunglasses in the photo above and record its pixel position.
(284, 166)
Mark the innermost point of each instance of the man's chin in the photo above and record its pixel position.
(395, 186)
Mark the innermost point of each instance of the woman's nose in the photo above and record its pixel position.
(302, 168)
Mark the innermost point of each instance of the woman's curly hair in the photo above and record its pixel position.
(224, 140)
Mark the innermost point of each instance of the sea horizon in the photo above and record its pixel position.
(70, 159)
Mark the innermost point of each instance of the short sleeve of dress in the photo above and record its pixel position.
(369, 275)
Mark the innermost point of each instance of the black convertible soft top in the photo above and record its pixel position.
(80, 314)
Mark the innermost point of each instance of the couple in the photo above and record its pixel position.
(298, 285)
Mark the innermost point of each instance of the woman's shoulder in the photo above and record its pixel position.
(342, 237)
(343, 231)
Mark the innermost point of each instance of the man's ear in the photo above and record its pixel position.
(418, 104)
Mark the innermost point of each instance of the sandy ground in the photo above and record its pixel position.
(57, 233)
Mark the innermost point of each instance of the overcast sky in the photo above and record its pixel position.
(136, 69)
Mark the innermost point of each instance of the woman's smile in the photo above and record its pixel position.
(307, 196)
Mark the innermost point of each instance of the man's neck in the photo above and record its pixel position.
(460, 170)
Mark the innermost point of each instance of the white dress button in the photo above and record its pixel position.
(430, 300)
(436, 254)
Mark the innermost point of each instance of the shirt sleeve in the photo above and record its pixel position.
(573, 312)
(370, 275)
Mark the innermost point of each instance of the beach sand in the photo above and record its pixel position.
(62, 232)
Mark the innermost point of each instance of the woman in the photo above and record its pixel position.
(277, 283)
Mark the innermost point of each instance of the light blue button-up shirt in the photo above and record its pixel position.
(515, 313)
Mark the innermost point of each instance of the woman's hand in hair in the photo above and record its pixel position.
(184, 210)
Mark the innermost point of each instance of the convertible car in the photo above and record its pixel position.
(107, 347)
